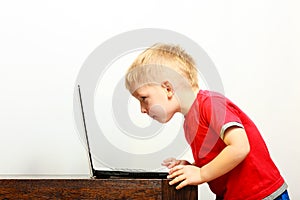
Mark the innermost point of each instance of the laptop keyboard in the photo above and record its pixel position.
(138, 170)
(129, 170)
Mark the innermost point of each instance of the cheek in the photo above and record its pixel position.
(158, 112)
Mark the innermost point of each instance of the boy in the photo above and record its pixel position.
(229, 152)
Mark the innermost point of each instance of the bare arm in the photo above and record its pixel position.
(234, 153)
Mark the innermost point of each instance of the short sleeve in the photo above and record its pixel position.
(220, 114)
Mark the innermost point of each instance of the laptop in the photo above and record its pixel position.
(109, 173)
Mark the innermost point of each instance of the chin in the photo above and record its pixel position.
(162, 118)
(163, 121)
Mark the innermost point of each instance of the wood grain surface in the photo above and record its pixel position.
(106, 189)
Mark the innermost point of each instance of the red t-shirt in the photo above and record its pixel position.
(205, 124)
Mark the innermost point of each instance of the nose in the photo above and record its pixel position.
(143, 109)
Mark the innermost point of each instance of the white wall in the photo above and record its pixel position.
(254, 44)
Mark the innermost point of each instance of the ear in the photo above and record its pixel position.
(168, 88)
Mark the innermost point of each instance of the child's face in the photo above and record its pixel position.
(157, 101)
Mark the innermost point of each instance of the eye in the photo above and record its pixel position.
(143, 98)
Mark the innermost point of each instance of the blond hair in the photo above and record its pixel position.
(156, 63)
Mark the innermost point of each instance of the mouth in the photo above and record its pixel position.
(156, 118)
(153, 116)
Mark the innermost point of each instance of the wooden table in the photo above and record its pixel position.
(85, 188)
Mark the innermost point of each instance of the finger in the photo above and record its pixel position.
(169, 160)
(165, 164)
(173, 174)
(177, 180)
(181, 185)
(172, 164)
(169, 164)
(176, 168)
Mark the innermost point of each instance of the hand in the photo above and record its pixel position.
(185, 175)
(172, 162)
